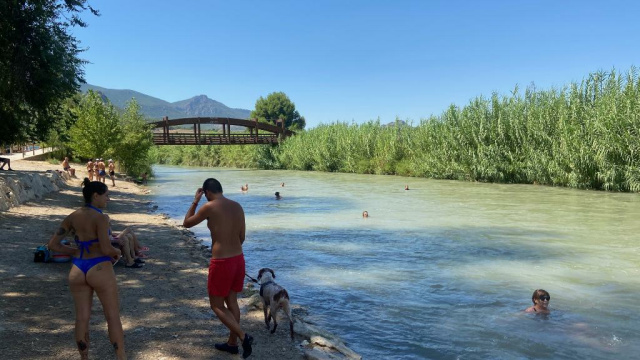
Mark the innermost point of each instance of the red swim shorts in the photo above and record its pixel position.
(225, 275)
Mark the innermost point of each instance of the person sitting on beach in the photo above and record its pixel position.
(540, 300)
(102, 173)
(244, 187)
(128, 244)
(112, 173)
(5, 161)
(90, 169)
(92, 270)
(225, 220)
(278, 197)
(67, 167)
(365, 214)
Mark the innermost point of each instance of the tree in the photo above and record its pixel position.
(133, 151)
(39, 64)
(97, 131)
(276, 106)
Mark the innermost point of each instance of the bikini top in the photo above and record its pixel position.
(84, 245)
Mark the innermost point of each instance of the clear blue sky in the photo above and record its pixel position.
(354, 60)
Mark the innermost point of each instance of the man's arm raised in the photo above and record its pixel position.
(192, 218)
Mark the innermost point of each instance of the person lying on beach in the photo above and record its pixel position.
(540, 300)
(92, 270)
(67, 167)
(5, 161)
(225, 219)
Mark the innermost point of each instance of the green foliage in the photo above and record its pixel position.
(586, 135)
(132, 151)
(39, 65)
(277, 105)
(97, 132)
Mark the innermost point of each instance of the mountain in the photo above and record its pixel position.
(156, 109)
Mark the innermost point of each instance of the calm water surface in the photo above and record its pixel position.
(441, 271)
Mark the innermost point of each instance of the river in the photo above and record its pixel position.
(444, 270)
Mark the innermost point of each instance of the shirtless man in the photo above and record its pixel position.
(112, 173)
(225, 219)
(90, 169)
(102, 173)
(67, 167)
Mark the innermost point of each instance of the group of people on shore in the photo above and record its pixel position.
(93, 257)
(98, 170)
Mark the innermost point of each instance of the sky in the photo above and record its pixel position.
(354, 60)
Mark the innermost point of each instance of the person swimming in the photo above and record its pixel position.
(278, 197)
(365, 214)
(540, 300)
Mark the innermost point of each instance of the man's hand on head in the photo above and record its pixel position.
(198, 195)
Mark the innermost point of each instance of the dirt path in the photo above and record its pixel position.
(164, 306)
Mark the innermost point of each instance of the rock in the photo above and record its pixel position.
(337, 345)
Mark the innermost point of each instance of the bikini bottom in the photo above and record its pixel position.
(86, 264)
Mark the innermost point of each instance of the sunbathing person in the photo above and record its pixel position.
(92, 269)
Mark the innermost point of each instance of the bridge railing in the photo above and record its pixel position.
(213, 139)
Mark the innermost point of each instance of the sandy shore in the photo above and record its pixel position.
(164, 306)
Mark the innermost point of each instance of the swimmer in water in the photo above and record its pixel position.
(540, 300)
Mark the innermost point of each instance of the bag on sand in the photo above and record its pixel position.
(42, 254)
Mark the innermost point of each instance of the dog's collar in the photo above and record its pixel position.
(263, 285)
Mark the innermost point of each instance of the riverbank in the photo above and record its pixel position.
(164, 306)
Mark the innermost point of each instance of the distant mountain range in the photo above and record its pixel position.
(156, 109)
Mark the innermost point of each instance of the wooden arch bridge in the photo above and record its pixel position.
(259, 133)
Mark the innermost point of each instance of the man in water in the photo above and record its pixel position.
(225, 220)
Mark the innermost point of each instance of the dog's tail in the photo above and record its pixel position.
(282, 298)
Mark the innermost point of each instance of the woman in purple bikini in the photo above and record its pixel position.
(92, 270)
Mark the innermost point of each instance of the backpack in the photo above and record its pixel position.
(42, 254)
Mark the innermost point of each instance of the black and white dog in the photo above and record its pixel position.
(273, 297)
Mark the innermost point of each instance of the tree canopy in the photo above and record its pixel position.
(97, 131)
(39, 64)
(277, 105)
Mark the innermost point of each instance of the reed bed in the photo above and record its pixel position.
(585, 135)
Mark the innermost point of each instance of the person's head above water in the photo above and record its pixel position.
(365, 214)
(540, 299)
(92, 189)
(212, 185)
(277, 195)
(541, 295)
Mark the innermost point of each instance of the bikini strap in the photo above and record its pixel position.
(84, 245)
(94, 208)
